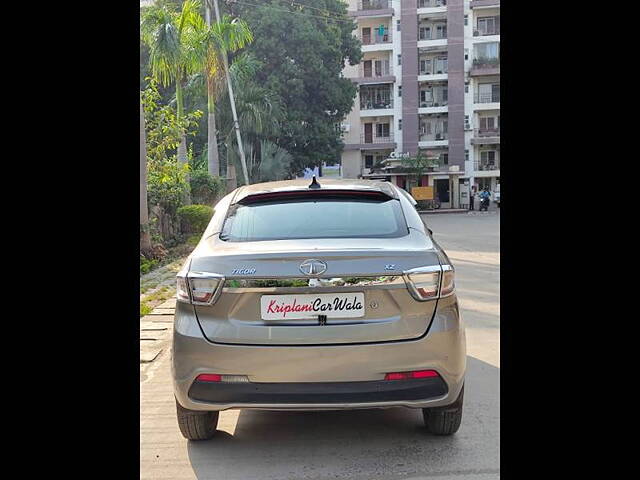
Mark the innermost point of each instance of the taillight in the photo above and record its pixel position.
(429, 283)
(199, 288)
(448, 281)
(182, 291)
(215, 377)
(425, 284)
(209, 377)
(411, 375)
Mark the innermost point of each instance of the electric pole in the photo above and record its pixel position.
(232, 99)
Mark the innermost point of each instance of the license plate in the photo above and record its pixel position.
(292, 307)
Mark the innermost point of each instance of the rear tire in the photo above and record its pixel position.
(444, 420)
(196, 425)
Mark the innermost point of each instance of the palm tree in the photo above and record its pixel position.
(259, 113)
(210, 45)
(145, 237)
(167, 34)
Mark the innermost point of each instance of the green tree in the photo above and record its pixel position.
(416, 166)
(167, 34)
(167, 183)
(211, 43)
(259, 114)
(164, 129)
(300, 55)
(145, 236)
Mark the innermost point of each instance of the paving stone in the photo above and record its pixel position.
(147, 336)
(149, 352)
(162, 311)
(152, 326)
(157, 318)
(171, 303)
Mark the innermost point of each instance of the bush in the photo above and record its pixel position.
(205, 188)
(167, 184)
(146, 264)
(193, 240)
(195, 218)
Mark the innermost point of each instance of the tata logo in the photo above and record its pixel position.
(313, 267)
(243, 271)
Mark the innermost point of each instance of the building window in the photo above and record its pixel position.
(489, 25)
(368, 161)
(484, 183)
(466, 155)
(399, 59)
(398, 25)
(400, 124)
(466, 20)
(487, 51)
(382, 130)
(445, 158)
(466, 87)
(466, 54)
(399, 90)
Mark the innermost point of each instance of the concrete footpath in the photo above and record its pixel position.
(361, 444)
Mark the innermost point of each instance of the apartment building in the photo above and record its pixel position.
(429, 81)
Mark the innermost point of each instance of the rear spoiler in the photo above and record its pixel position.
(371, 194)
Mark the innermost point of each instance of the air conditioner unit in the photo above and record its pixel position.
(467, 126)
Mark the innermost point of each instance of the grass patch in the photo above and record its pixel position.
(145, 309)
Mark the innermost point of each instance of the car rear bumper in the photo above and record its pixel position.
(320, 377)
(317, 392)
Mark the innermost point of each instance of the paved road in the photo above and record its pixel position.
(359, 445)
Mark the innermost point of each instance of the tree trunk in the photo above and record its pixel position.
(232, 181)
(145, 236)
(182, 148)
(213, 160)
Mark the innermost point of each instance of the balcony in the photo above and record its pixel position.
(370, 141)
(487, 31)
(485, 66)
(436, 65)
(433, 99)
(376, 104)
(484, 3)
(376, 37)
(487, 165)
(432, 32)
(373, 8)
(375, 142)
(379, 72)
(432, 3)
(486, 136)
(434, 137)
(376, 99)
(488, 97)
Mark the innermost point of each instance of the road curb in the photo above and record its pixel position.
(443, 210)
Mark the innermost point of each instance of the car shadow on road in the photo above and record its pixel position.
(276, 444)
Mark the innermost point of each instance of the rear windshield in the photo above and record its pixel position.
(317, 218)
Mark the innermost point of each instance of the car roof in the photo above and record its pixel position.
(302, 184)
